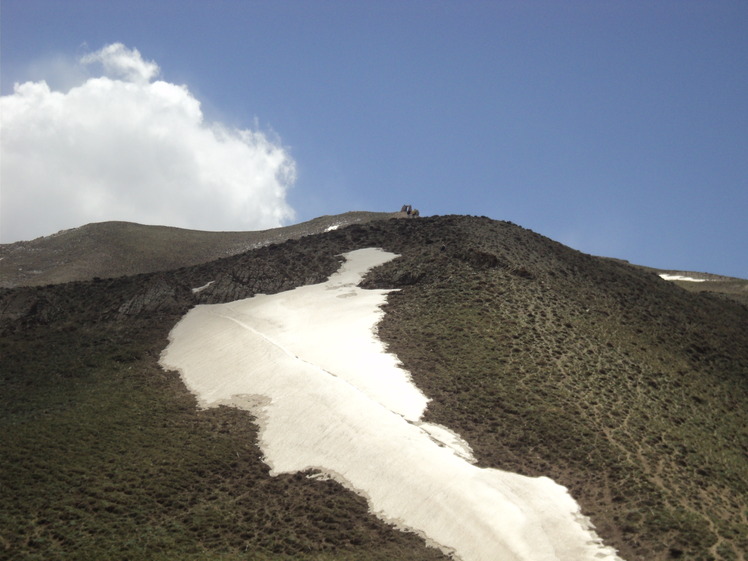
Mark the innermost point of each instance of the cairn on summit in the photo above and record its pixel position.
(409, 211)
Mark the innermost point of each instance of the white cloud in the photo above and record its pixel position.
(125, 147)
(122, 62)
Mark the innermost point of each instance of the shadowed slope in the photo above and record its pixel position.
(114, 249)
(620, 385)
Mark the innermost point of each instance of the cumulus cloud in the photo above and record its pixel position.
(120, 61)
(124, 146)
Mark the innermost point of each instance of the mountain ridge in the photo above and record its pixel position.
(117, 248)
(619, 385)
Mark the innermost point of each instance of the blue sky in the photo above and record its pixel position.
(619, 128)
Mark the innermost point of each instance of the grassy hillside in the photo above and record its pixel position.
(626, 388)
(106, 456)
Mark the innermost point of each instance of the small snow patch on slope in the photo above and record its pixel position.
(670, 277)
(201, 288)
(330, 399)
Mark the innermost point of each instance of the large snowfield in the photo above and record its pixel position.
(330, 399)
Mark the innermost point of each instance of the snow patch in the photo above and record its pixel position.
(201, 288)
(670, 277)
(328, 398)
